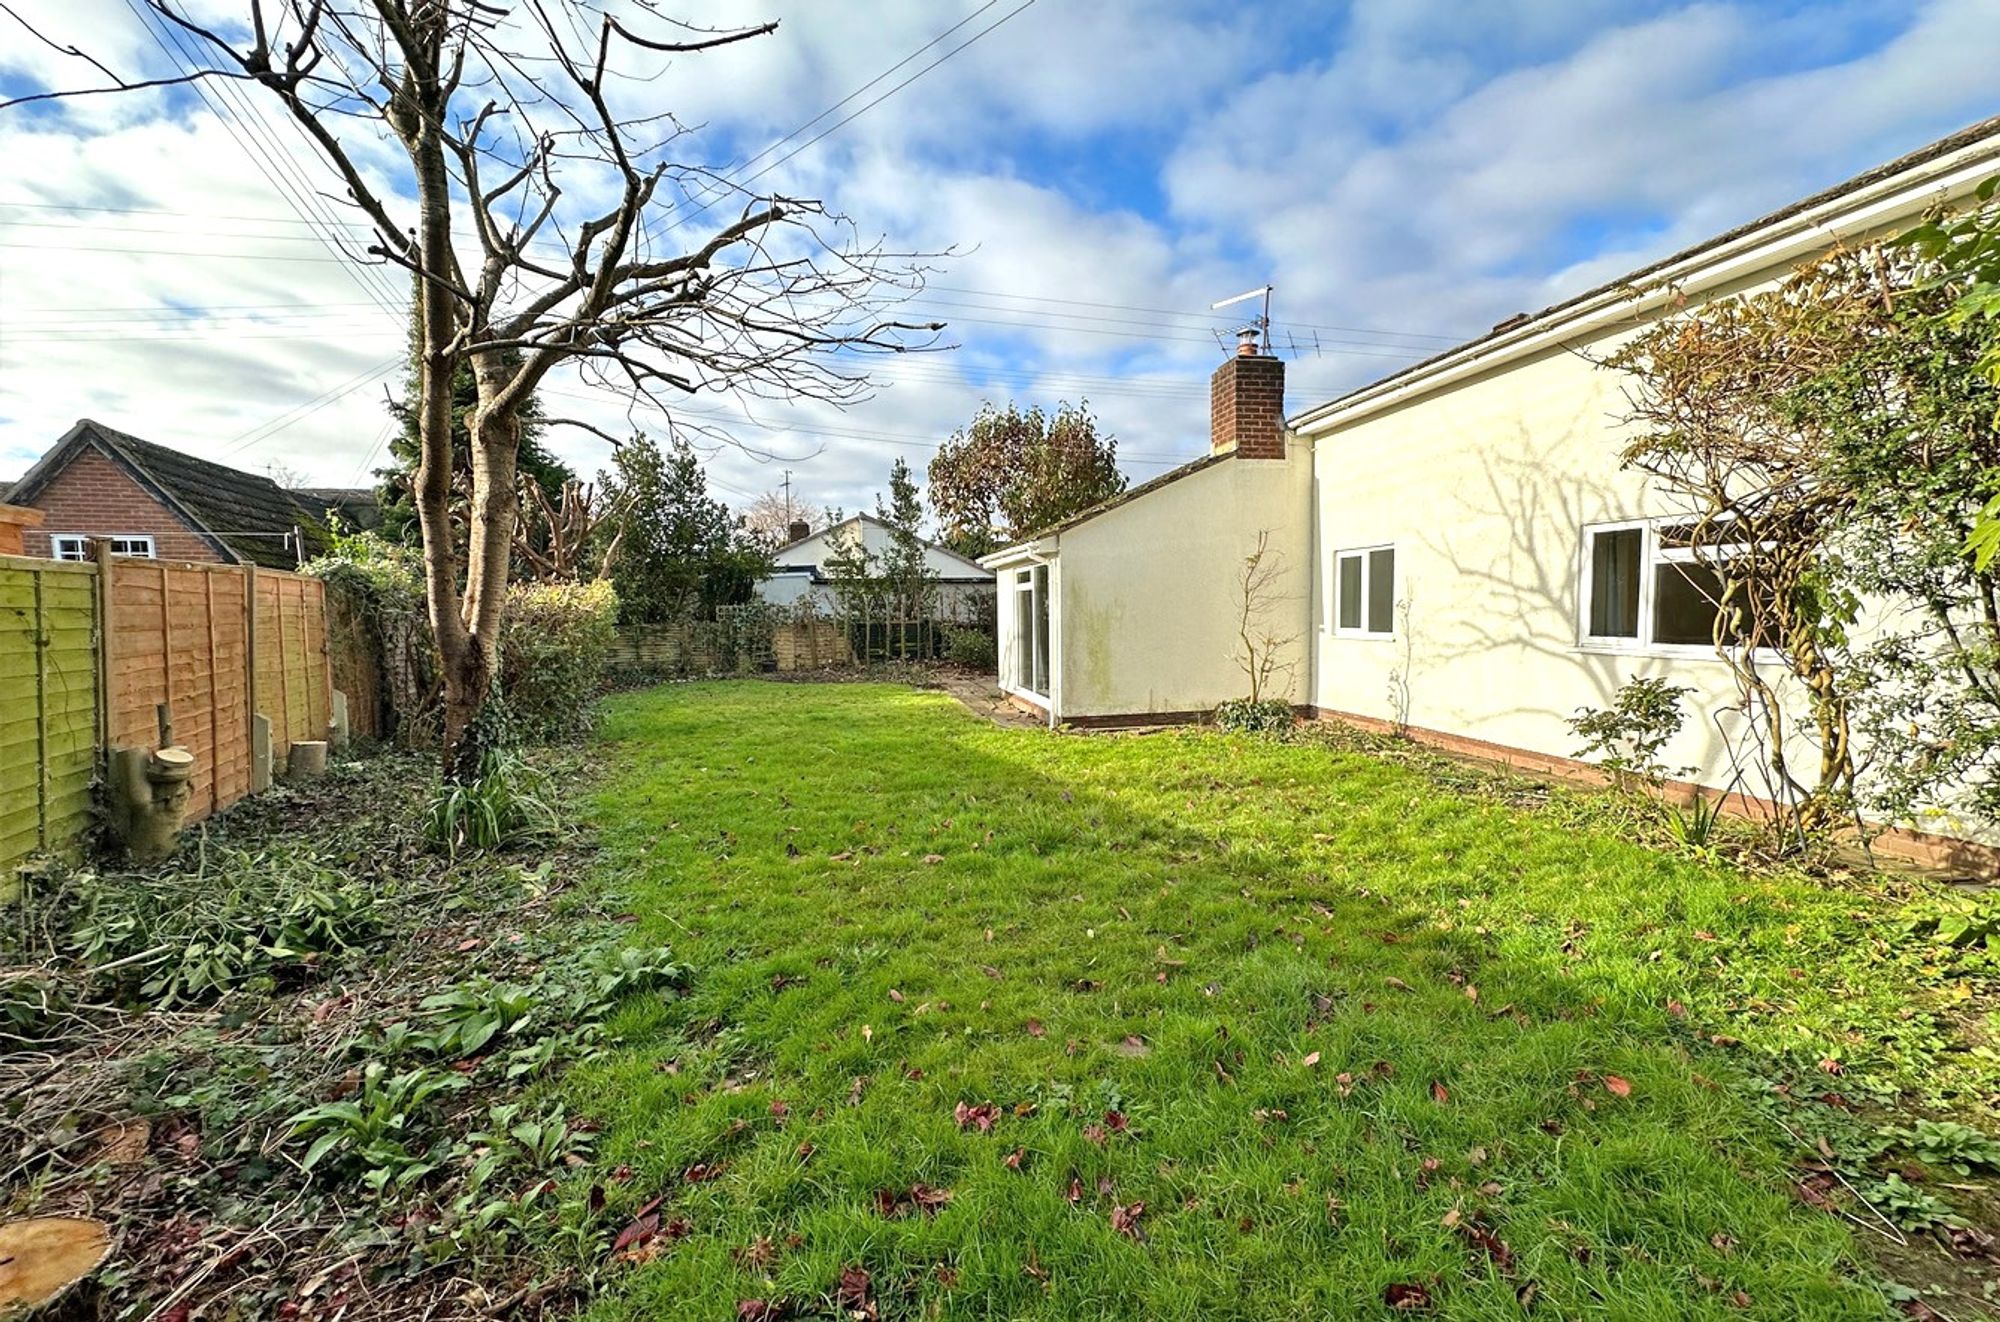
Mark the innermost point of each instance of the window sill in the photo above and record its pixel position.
(1356, 636)
(1665, 652)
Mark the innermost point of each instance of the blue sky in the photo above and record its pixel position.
(1405, 172)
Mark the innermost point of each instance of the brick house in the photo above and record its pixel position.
(151, 501)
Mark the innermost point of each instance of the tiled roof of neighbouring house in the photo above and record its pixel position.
(251, 516)
(358, 507)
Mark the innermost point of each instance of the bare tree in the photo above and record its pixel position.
(493, 154)
(771, 516)
(1263, 654)
(564, 540)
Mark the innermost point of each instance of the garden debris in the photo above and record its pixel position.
(892, 1203)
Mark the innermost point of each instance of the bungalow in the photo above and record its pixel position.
(1454, 550)
(800, 573)
(151, 501)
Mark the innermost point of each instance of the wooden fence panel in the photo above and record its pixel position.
(89, 651)
(48, 704)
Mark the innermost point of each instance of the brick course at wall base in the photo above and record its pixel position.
(95, 497)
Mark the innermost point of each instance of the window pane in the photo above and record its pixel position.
(1686, 600)
(1349, 615)
(1382, 591)
(1042, 629)
(1614, 583)
(1021, 667)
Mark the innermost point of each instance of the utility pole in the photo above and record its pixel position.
(788, 497)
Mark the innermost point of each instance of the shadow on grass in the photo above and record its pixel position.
(1338, 1035)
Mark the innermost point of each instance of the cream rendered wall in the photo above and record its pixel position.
(1484, 487)
(1147, 598)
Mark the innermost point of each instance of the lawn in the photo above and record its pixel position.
(992, 1023)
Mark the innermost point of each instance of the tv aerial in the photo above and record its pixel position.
(1262, 328)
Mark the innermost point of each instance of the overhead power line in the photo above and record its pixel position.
(302, 200)
(843, 122)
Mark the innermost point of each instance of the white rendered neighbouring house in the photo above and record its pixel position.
(799, 571)
(1464, 556)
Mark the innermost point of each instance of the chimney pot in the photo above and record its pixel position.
(1246, 341)
(798, 531)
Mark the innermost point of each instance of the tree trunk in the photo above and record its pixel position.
(469, 683)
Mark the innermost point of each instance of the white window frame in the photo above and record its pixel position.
(62, 542)
(1022, 653)
(1365, 554)
(1651, 556)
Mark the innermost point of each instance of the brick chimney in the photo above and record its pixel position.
(798, 531)
(1246, 403)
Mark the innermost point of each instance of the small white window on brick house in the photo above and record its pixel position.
(1364, 592)
(76, 546)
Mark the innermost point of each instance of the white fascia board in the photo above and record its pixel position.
(1951, 176)
(1038, 552)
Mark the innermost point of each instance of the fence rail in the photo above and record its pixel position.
(89, 651)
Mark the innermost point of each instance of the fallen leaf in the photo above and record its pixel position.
(1125, 1220)
(1095, 1134)
(757, 1310)
(1035, 1029)
(1406, 1297)
(1616, 1086)
(852, 1293)
(895, 996)
(1075, 1194)
(1312, 1059)
(1014, 1159)
(1439, 1093)
(1397, 983)
(982, 1116)
(1115, 1121)
(645, 1224)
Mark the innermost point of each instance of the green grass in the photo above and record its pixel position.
(893, 908)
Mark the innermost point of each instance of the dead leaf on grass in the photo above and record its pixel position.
(1616, 1086)
(1407, 1297)
(1439, 1093)
(851, 1294)
(1125, 1220)
(981, 1116)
